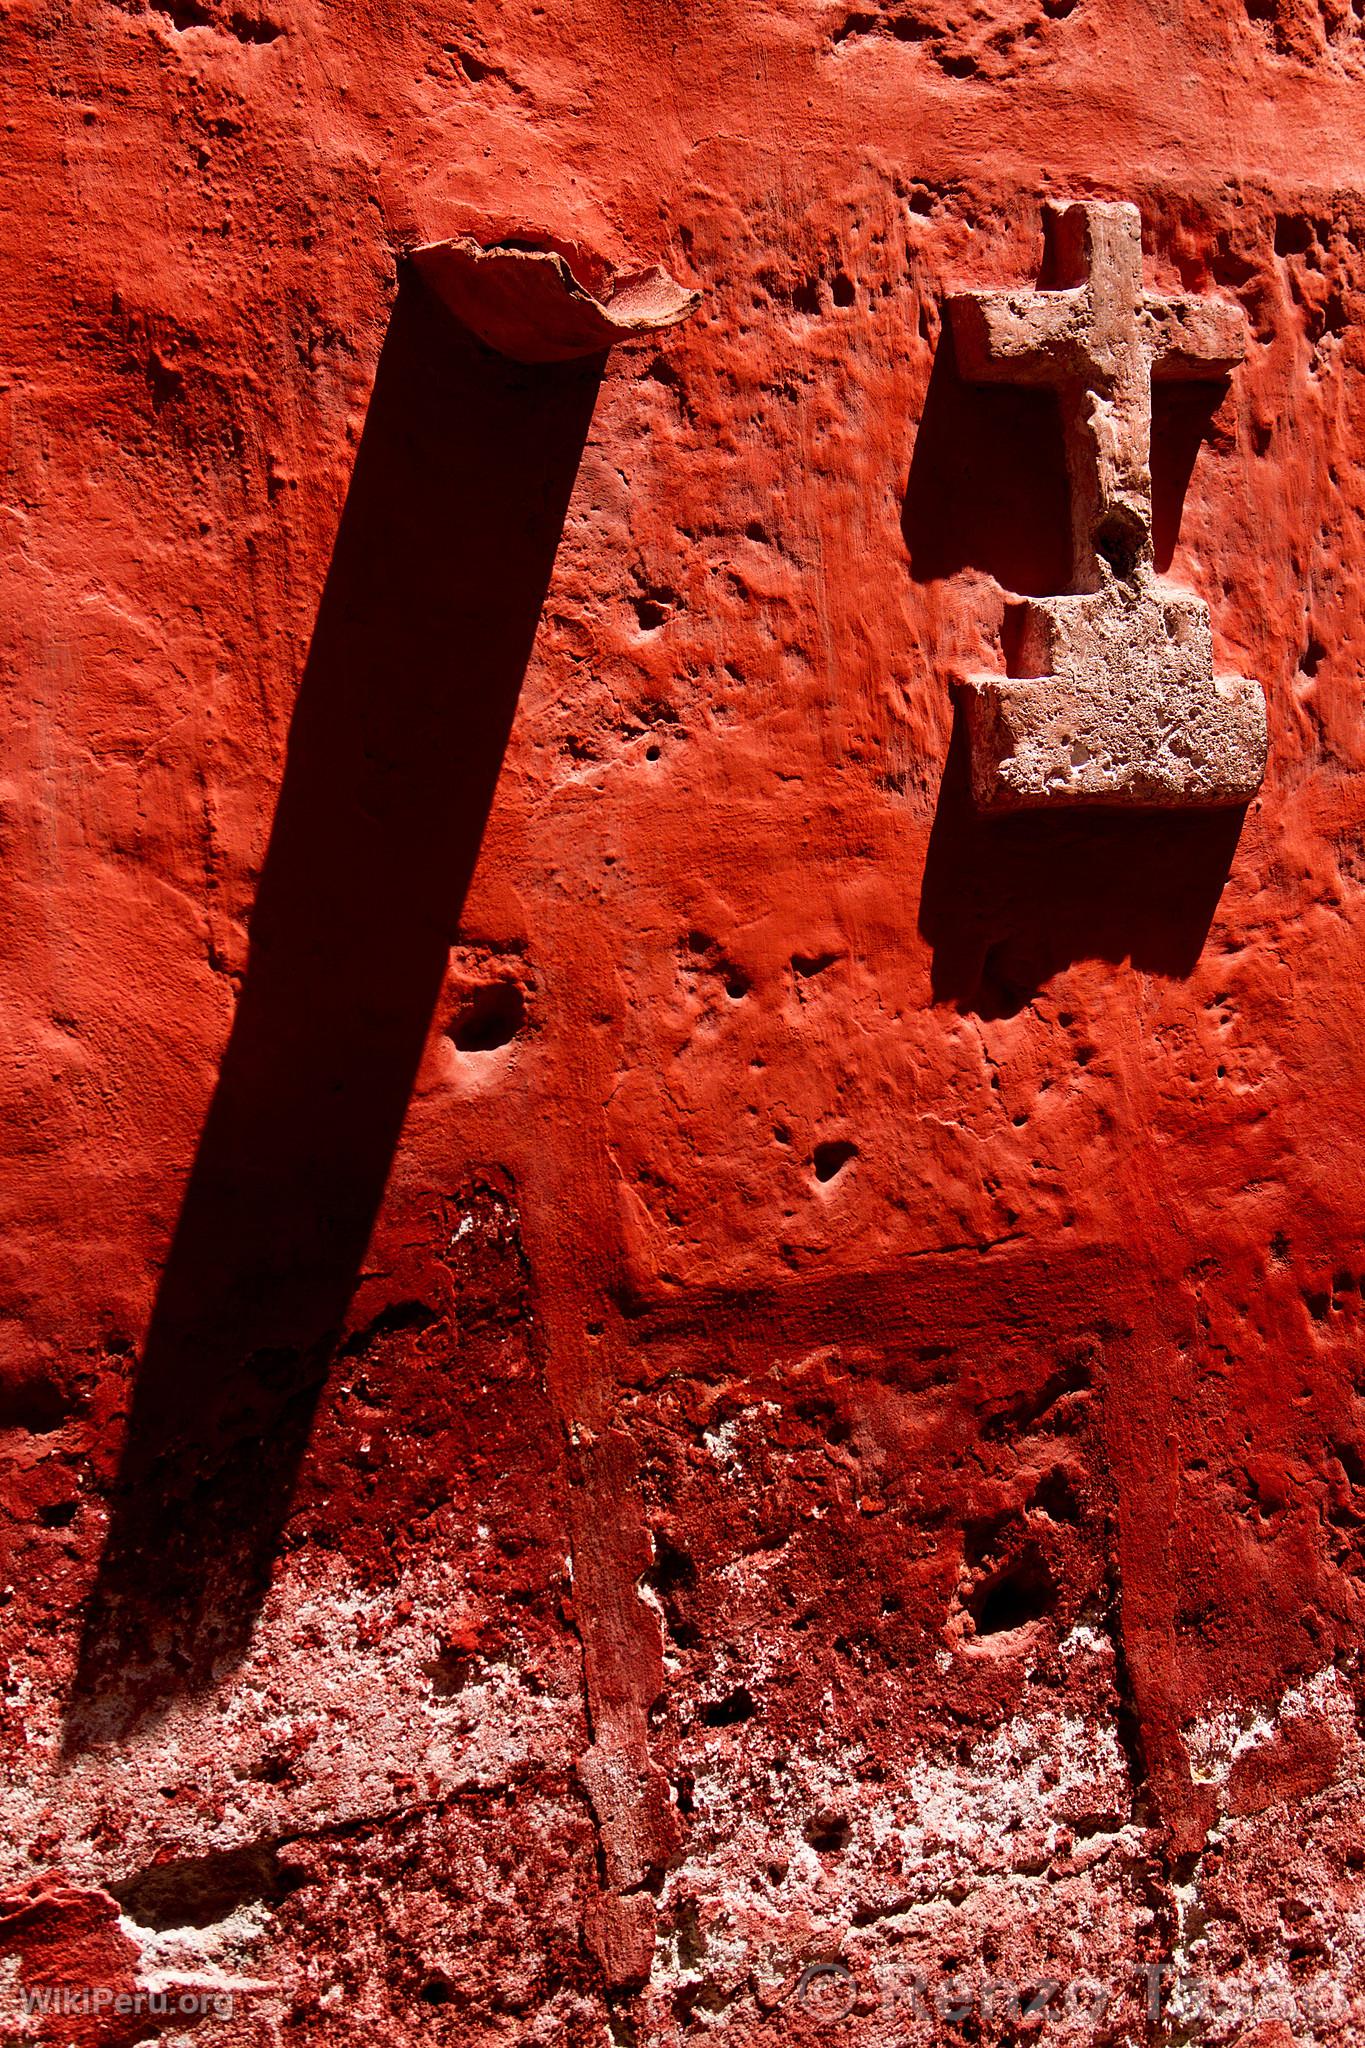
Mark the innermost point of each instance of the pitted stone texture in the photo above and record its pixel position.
(1081, 1317)
(1124, 707)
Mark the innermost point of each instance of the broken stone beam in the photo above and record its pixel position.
(526, 302)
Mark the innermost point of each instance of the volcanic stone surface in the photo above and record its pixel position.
(657, 1384)
(1112, 697)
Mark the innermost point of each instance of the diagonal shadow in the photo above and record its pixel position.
(988, 486)
(438, 576)
(1184, 417)
(1006, 903)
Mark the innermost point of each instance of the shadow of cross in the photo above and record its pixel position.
(1110, 696)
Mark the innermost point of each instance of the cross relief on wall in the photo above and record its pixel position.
(1117, 702)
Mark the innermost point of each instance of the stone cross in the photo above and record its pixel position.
(1117, 702)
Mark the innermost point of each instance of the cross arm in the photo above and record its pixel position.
(1023, 337)
(1193, 337)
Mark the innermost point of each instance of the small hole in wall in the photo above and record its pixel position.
(654, 608)
(1056, 1496)
(831, 1157)
(652, 753)
(199, 1891)
(671, 1568)
(737, 1706)
(843, 291)
(1293, 232)
(828, 1832)
(437, 1991)
(1119, 538)
(489, 1017)
(449, 1672)
(38, 1404)
(671, 1577)
(807, 965)
(1023, 1592)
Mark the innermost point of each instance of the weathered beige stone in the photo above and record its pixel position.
(1119, 704)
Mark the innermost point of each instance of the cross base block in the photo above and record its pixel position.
(1124, 709)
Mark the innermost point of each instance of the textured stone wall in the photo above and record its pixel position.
(653, 1387)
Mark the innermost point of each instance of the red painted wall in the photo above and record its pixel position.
(653, 1387)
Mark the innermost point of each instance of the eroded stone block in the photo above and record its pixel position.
(1124, 707)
